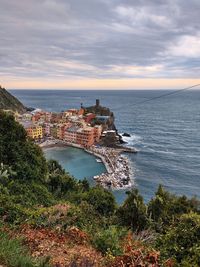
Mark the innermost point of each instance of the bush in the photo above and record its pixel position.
(83, 216)
(165, 208)
(102, 200)
(109, 240)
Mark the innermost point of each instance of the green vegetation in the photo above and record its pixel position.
(133, 213)
(165, 208)
(14, 254)
(109, 240)
(21, 155)
(182, 240)
(41, 194)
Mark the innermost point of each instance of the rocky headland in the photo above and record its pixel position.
(9, 102)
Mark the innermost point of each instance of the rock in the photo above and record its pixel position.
(126, 135)
(121, 141)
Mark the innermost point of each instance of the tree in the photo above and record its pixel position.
(182, 241)
(85, 186)
(133, 213)
(18, 152)
(102, 200)
(6, 173)
(54, 167)
(164, 208)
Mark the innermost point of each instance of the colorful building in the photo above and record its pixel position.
(81, 112)
(71, 126)
(53, 130)
(89, 117)
(70, 134)
(46, 129)
(85, 136)
(97, 132)
(33, 131)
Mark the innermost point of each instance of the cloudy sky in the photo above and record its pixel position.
(128, 44)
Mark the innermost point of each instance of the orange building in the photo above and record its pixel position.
(89, 117)
(81, 136)
(97, 132)
(70, 134)
(85, 137)
(80, 112)
(61, 130)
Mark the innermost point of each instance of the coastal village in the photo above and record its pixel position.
(92, 129)
(75, 126)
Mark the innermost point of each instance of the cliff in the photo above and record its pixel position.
(9, 102)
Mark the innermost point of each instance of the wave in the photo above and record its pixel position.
(162, 151)
(135, 139)
(166, 152)
(132, 140)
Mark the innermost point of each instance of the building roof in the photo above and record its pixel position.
(27, 124)
(73, 129)
(102, 118)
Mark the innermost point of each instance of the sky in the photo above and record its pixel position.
(99, 44)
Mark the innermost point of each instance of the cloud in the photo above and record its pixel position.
(185, 46)
(99, 39)
(143, 17)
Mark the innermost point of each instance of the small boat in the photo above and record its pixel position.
(99, 160)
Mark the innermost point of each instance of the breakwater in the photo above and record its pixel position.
(119, 173)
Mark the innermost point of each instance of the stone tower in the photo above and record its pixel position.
(97, 103)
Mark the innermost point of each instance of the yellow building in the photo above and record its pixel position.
(33, 131)
(36, 132)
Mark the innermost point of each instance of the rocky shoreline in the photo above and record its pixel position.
(119, 173)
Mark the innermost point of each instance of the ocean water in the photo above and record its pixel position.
(166, 131)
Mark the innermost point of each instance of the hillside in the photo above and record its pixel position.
(9, 102)
(50, 219)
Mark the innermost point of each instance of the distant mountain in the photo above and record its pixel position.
(9, 102)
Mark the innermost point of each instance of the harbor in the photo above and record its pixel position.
(118, 173)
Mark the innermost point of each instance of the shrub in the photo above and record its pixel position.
(181, 241)
(165, 208)
(109, 240)
(102, 200)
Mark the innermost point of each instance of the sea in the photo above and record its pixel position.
(166, 131)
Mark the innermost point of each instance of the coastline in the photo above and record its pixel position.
(119, 174)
